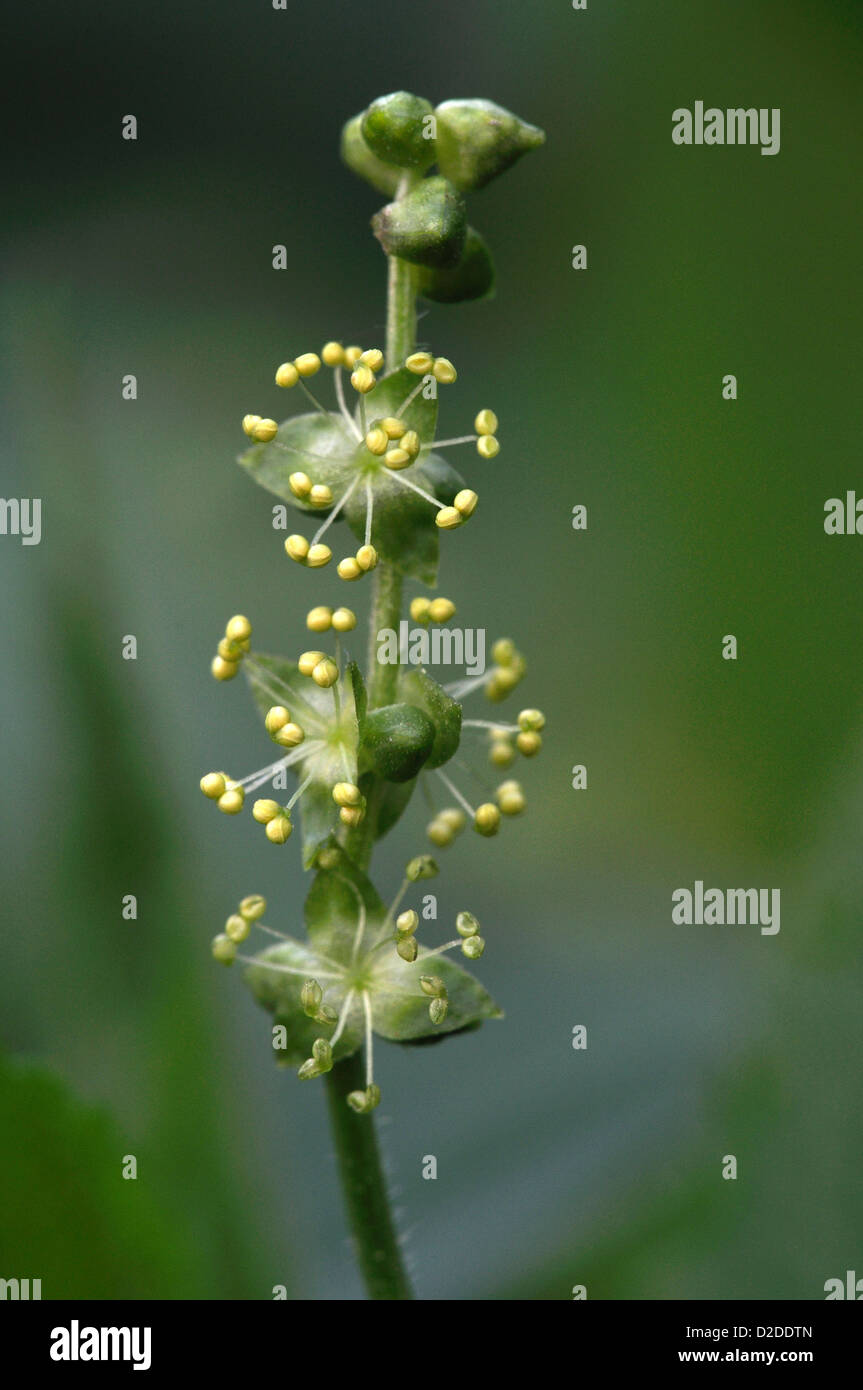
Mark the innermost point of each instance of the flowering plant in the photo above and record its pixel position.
(359, 741)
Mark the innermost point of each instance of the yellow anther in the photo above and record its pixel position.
(363, 378)
(487, 446)
(230, 651)
(502, 752)
(452, 817)
(373, 358)
(253, 907)
(441, 610)
(377, 441)
(393, 427)
(250, 422)
(397, 458)
(419, 363)
(352, 356)
(266, 810)
(486, 422)
(440, 834)
(448, 518)
(264, 431)
(347, 794)
(231, 801)
(367, 557)
(276, 718)
(237, 928)
(344, 620)
(531, 719)
(308, 363)
(411, 443)
(503, 652)
(444, 371)
(487, 819)
(213, 785)
(529, 743)
(319, 555)
(238, 628)
(319, 619)
(351, 815)
(224, 670)
(298, 548)
(325, 674)
(407, 922)
(419, 609)
(278, 830)
(510, 798)
(333, 354)
(287, 375)
(321, 495)
(348, 568)
(300, 485)
(308, 661)
(465, 502)
(289, 736)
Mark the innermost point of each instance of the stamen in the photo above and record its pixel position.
(411, 396)
(298, 793)
(490, 724)
(370, 1071)
(343, 1016)
(285, 969)
(303, 453)
(439, 950)
(278, 696)
(466, 686)
(364, 427)
(397, 478)
(449, 443)
(370, 506)
(266, 774)
(454, 791)
(334, 513)
(340, 397)
(316, 403)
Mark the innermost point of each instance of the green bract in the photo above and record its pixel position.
(398, 130)
(427, 227)
(471, 278)
(444, 713)
(477, 140)
(329, 752)
(395, 741)
(351, 948)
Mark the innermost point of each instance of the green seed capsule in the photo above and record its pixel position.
(397, 129)
(478, 140)
(428, 227)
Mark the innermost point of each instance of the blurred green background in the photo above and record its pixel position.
(555, 1167)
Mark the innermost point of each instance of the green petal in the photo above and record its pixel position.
(320, 445)
(400, 1009)
(279, 993)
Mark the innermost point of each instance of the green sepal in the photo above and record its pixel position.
(393, 128)
(320, 445)
(331, 912)
(280, 992)
(358, 157)
(393, 801)
(403, 527)
(401, 1011)
(330, 762)
(426, 227)
(388, 397)
(358, 686)
(477, 140)
(472, 278)
(445, 713)
(395, 741)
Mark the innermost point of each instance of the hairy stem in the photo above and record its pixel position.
(364, 1186)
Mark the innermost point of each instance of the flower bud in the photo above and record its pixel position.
(477, 140)
(358, 157)
(472, 277)
(395, 129)
(427, 227)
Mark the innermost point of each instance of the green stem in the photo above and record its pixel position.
(354, 1135)
(364, 1187)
